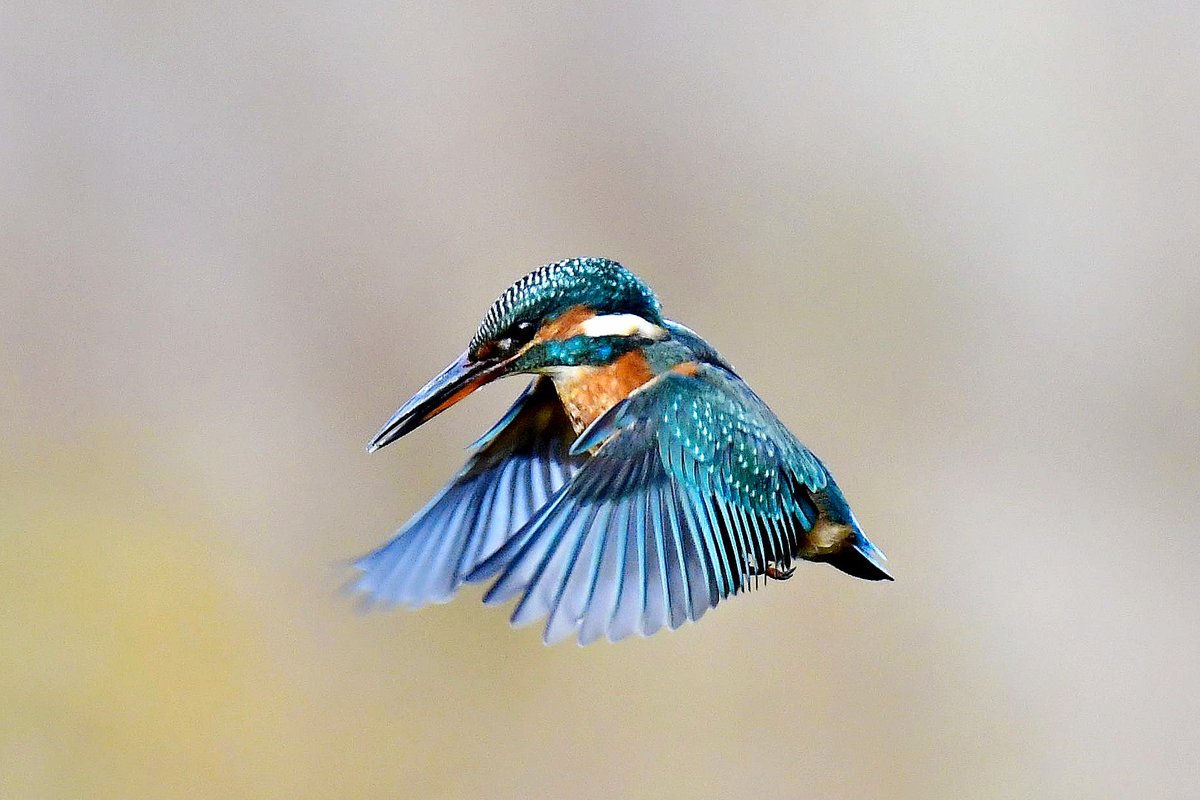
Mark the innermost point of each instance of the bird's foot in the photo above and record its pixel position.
(775, 572)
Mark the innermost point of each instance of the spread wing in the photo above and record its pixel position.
(695, 486)
(515, 468)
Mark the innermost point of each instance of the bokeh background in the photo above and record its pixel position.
(954, 246)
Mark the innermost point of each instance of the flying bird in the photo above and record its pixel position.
(634, 484)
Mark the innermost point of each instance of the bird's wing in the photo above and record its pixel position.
(694, 487)
(514, 469)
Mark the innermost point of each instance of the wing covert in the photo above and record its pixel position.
(693, 488)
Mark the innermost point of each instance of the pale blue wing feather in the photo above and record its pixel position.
(514, 468)
(692, 488)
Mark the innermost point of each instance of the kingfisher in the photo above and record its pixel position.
(637, 481)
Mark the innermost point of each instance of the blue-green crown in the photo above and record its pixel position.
(602, 285)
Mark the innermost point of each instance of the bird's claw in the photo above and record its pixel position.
(773, 570)
(778, 573)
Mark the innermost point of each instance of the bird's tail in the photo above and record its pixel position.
(861, 559)
(837, 539)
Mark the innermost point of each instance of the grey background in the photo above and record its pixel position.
(953, 246)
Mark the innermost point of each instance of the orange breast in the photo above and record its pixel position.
(587, 392)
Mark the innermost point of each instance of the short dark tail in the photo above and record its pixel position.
(856, 556)
(861, 559)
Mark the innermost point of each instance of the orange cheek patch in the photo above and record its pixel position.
(566, 324)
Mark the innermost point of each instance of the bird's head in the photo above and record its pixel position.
(574, 313)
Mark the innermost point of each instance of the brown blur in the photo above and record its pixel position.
(956, 249)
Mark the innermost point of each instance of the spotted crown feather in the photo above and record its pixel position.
(598, 283)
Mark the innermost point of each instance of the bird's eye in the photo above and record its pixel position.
(518, 335)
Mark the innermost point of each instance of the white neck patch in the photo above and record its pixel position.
(621, 325)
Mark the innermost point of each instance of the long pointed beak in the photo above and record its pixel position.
(451, 385)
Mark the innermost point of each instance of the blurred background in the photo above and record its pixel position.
(955, 248)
